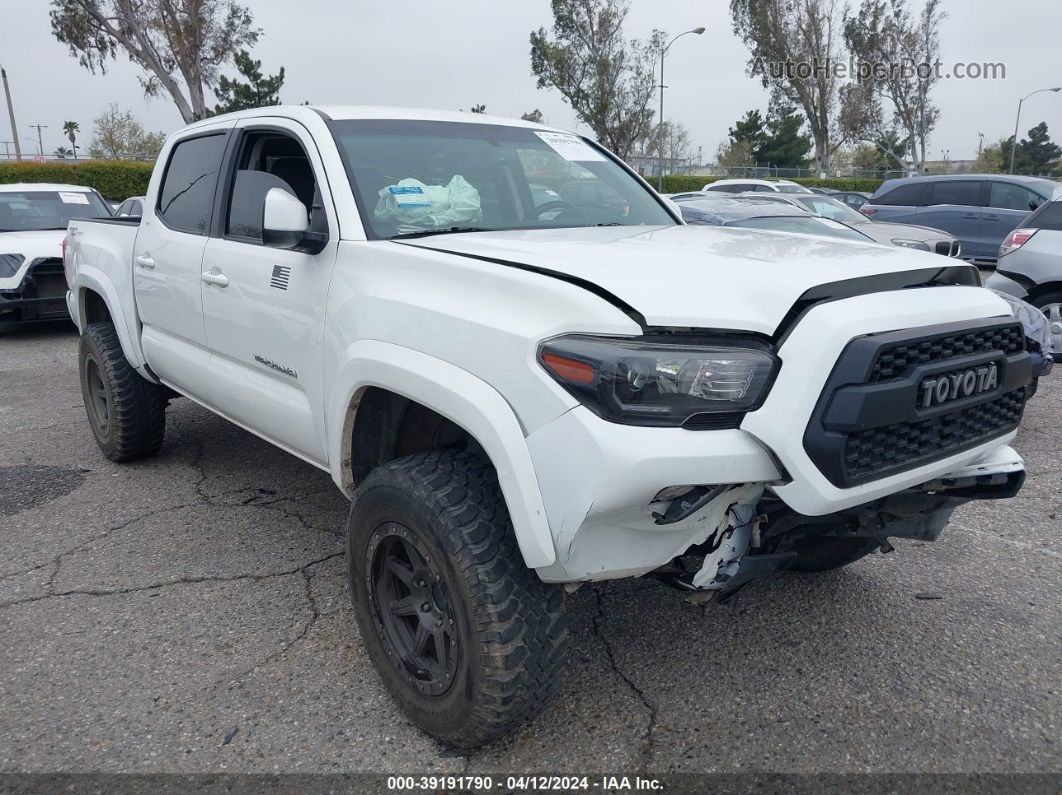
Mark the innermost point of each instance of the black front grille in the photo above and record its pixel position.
(897, 361)
(944, 247)
(909, 444)
(874, 418)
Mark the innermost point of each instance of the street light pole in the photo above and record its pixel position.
(660, 121)
(1017, 119)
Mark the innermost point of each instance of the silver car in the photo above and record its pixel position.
(1030, 266)
(922, 238)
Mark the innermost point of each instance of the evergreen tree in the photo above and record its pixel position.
(784, 145)
(750, 132)
(258, 92)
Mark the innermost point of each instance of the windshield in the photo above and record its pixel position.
(805, 226)
(416, 177)
(831, 208)
(47, 209)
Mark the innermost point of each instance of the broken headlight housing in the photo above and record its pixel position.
(661, 381)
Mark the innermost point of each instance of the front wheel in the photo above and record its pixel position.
(467, 639)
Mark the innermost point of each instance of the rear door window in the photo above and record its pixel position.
(966, 193)
(186, 197)
(1007, 196)
(1048, 217)
(909, 195)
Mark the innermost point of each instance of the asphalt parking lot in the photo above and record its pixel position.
(190, 614)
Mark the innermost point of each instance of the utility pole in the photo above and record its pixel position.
(11, 114)
(40, 141)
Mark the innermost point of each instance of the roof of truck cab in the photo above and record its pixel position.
(19, 187)
(347, 112)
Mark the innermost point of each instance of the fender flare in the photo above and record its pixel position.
(462, 398)
(93, 279)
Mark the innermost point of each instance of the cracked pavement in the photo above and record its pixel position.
(190, 614)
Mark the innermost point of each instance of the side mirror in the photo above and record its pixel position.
(285, 221)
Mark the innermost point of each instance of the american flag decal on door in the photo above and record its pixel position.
(279, 279)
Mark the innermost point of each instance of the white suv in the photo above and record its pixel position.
(756, 185)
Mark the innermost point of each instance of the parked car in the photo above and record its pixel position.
(696, 194)
(921, 238)
(1030, 267)
(978, 209)
(519, 404)
(133, 207)
(824, 191)
(757, 185)
(853, 198)
(754, 212)
(33, 219)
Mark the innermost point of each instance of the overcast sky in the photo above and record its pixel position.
(457, 53)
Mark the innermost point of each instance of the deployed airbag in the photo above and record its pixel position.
(411, 204)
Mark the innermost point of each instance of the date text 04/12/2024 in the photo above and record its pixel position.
(524, 783)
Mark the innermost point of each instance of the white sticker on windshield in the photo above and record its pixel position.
(570, 147)
(74, 198)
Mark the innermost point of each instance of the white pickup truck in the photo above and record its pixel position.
(526, 372)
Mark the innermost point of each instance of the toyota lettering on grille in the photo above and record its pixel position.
(960, 384)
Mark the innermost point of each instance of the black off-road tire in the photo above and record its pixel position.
(823, 553)
(510, 630)
(126, 412)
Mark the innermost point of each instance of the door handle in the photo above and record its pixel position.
(145, 261)
(971, 215)
(215, 278)
(991, 217)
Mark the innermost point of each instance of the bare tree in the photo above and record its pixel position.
(795, 45)
(180, 44)
(607, 79)
(671, 137)
(732, 154)
(117, 135)
(896, 56)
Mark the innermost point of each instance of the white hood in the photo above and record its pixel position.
(31, 245)
(683, 275)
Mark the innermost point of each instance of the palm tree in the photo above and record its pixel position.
(62, 152)
(71, 128)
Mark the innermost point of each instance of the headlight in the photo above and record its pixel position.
(640, 381)
(9, 264)
(918, 244)
(1032, 321)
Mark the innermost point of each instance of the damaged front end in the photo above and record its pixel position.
(755, 539)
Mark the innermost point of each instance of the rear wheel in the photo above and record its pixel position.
(1051, 305)
(467, 639)
(127, 413)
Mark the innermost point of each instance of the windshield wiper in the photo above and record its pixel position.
(446, 231)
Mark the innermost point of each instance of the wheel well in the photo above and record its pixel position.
(96, 310)
(1045, 289)
(387, 426)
